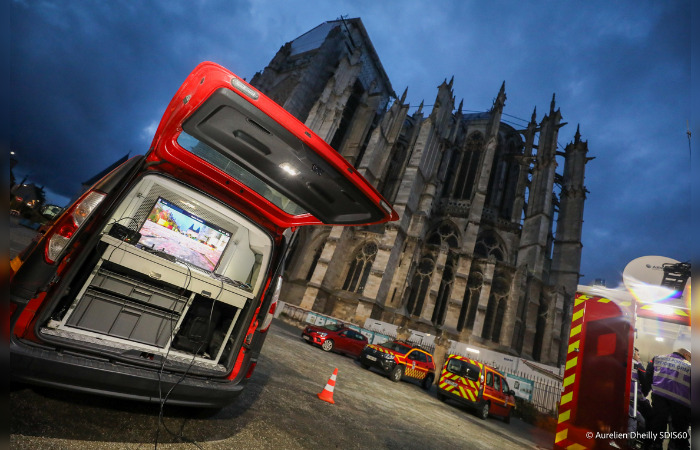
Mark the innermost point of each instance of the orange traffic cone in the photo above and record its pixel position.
(327, 394)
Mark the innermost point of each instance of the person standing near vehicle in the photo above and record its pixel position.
(670, 396)
(643, 387)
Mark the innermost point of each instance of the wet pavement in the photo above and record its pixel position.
(278, 409)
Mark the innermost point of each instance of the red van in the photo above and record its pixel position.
(159, 282)
(477, 386)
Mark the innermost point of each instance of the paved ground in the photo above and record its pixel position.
(279, 409)
(20, 236)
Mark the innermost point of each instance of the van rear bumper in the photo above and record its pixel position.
(454, 395)
(45, 367)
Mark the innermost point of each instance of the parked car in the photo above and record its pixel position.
(336, 338)
(159, 283)
(399, 359)
(477, 386)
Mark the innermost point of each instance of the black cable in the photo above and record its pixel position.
(162, 399)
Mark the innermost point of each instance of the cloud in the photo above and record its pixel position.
(90, 80)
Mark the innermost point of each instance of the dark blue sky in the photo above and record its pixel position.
(90, 80)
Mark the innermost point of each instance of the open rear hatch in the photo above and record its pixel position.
(185, 253)
(217, 122)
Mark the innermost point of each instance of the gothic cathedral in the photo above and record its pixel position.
(487, 249)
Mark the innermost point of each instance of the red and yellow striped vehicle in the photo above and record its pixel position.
(476, 385)
(399, 359)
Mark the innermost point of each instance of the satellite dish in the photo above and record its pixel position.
(647, 269)
(647, 280)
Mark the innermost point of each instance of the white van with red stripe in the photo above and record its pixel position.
(477, 386)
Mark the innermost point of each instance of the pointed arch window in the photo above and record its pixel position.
(360, 267)
(495, 311)
(314, 261)
(469, 166)
(471, 300)
(420, 284)
(445, 233)
(445, 290)
(488, 245)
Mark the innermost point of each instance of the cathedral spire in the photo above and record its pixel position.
(577, 136)
(420, 107)
(500, 100)
(551, 105)
(533, 119)
(403, 96)
(451, 81)
(459, 109)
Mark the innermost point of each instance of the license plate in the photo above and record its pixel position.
(451, 383)
(371, 358)
(306, 337)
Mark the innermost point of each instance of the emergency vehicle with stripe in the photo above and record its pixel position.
(476, 385)
(400, 359)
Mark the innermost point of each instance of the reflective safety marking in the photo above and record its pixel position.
(462, 393)
(561, 435)
(575, 330)
(577, 315)
(569, 380)
(576, 447)
(471, 396)
(580, 299)
(574, 346)
(571, 363)
(566, 398)
(604, 300)
(566, 415)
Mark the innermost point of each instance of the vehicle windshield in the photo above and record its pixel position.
(463, 369)
(220, 161)
(395, 346)
(333, 327)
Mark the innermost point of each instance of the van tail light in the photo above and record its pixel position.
(273, 307)
(69, 223)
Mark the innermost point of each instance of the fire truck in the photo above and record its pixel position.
(606, 325)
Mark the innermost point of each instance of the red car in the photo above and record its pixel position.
(159, 283)
(335, 338)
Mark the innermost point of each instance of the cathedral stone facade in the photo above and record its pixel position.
(487, 249)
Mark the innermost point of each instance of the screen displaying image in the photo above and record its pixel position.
(181, 234)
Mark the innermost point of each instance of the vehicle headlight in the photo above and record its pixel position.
(322, 334)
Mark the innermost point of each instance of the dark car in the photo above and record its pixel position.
(159, 283)
(336, 338)
(398, 359)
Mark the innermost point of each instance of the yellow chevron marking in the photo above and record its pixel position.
(566, 398)
(604, 300)
(575, 330)
(576, 447)
(574, 346)
(561, 435)
(461, 392)
(571, 363)
(471, 396)
(566, 415)
(569, 380)
(577, 315)
(580, 300)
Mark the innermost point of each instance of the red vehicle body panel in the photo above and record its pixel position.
(597, 380)
(200, 85)
(43, 288)
(342, 341)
